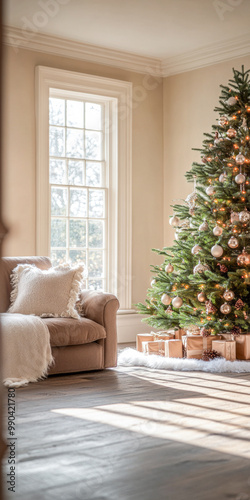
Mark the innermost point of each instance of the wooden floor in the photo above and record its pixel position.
(133, 433)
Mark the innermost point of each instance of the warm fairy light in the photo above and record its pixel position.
(215, 200)
(247, 160)
(234, 117)
(202, 286)
(222, 209)
(224, 225)
(243, 199)
(227, 324)
(247, 137)
(235, 169)
(248, 109)
(215, 210)
(209, 318)
(229, 164)
(247, 182)
(194, 309)
(239, 112)
(236, 146)
(217, 286)
(219, 221)
(186, 286)
(209, 158)
(202, 320)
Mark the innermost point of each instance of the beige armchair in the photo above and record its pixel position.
(88, 343)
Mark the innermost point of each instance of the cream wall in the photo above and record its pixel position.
(19, 198)
(189, 100)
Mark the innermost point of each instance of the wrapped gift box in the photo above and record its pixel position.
(179, 333)
(194, 345)
(173, 348)
(226, 348)
(242, 345)
(154, 347)
(145, 337)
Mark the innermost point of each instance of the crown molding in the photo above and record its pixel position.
(21, 39)
(206, 56)
(211, 54)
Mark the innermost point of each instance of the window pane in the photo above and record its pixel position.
(78, 202)
(75, 114)
(78, 256)
(95, 285)
(93, 116)
(58, 174)
(74, 143)
(58, 257)
(93, 145)
(58, 233)
(77, 233)
(93, 174)
(76, 172)
(59, 201)
(96, 203)
(95, 264)
(56, 141)
(57, 111)
(96, 228)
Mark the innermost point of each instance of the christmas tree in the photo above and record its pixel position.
(205, 277)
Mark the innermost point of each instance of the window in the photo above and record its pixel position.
(79, 179)
(83, 156)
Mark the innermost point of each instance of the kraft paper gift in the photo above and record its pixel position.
(143, 337)
(154, 347)
(179, 333)
(242, 344)
(194, 345)
(226, 348)
(173, 348)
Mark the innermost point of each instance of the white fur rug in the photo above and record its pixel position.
(131, 357)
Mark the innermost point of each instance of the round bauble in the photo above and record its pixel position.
(191, 199)
(234, 217)
(228, 295)
(231, 133)
(177, 302)
(222, 177)
(225, 308)
(243, 259)
(201, 268)
(201, 297)
(153, 281)
(203, 226)
(174, 221)
(196, 249)
(240, 159)
(169, 268)
(204, 159)
(210, 190)
(217, 231)
(233, 242)
(217, 251)
(166, 299)
(240, 179)
(244, 216)
(222, 121)
(231, 101)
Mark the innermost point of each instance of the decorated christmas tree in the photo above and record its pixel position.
(204, 279)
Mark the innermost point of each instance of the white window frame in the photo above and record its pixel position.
(118, 95)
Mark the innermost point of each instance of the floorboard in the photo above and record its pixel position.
(134, 434)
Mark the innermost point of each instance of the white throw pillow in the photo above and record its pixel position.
(49, 293)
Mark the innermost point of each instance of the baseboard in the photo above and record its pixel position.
(129, 323)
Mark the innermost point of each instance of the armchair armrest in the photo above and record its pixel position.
(101, 308)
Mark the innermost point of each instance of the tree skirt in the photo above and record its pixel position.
(131, 357)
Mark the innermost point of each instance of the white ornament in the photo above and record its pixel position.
(166, 299)
(177, 302)
(196, 249)
(240, 159)
(169, 268)
(174, 221)
(240, 179)
(233, 242)
(244, 216)
(222, 121)
(201, 297)
(191, 199)
(225, 308)
(153, 282)
(218, 140)
(203, 226)
(217, 231)
(200, 268)
(217, 251)
(234, 217)
(210, 190)
(231, 133)
(228, 295)
(222, 177)
(231, 101)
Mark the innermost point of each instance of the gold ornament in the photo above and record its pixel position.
(222, 121)
(217, 231)
(243, 259)
(217, 251)
(234, 217)
(228, 295)
(210, 190)
(196, 249)
(240, 179)
(191, 199)
(166, 299)
(231, 133)
(225, 308)
(233, 242)
(201, 297)
(231, 101)
(222, 177)
(203, 226)
(244, 216)
(169, 268)
(201, 268)
(174, 221)
(240, 159)
(177, 302)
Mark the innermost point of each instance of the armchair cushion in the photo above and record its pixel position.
(69, 331)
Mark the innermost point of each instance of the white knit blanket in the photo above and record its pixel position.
(26, 350)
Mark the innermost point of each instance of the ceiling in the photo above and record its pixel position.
(161, 29)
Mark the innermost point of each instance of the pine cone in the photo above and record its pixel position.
(205, 332)
(208, 355)
(223, 268)
(169, 310)
(236, 331)
(210, 308)
(239, 304)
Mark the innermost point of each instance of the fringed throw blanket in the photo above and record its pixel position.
(26, 350)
